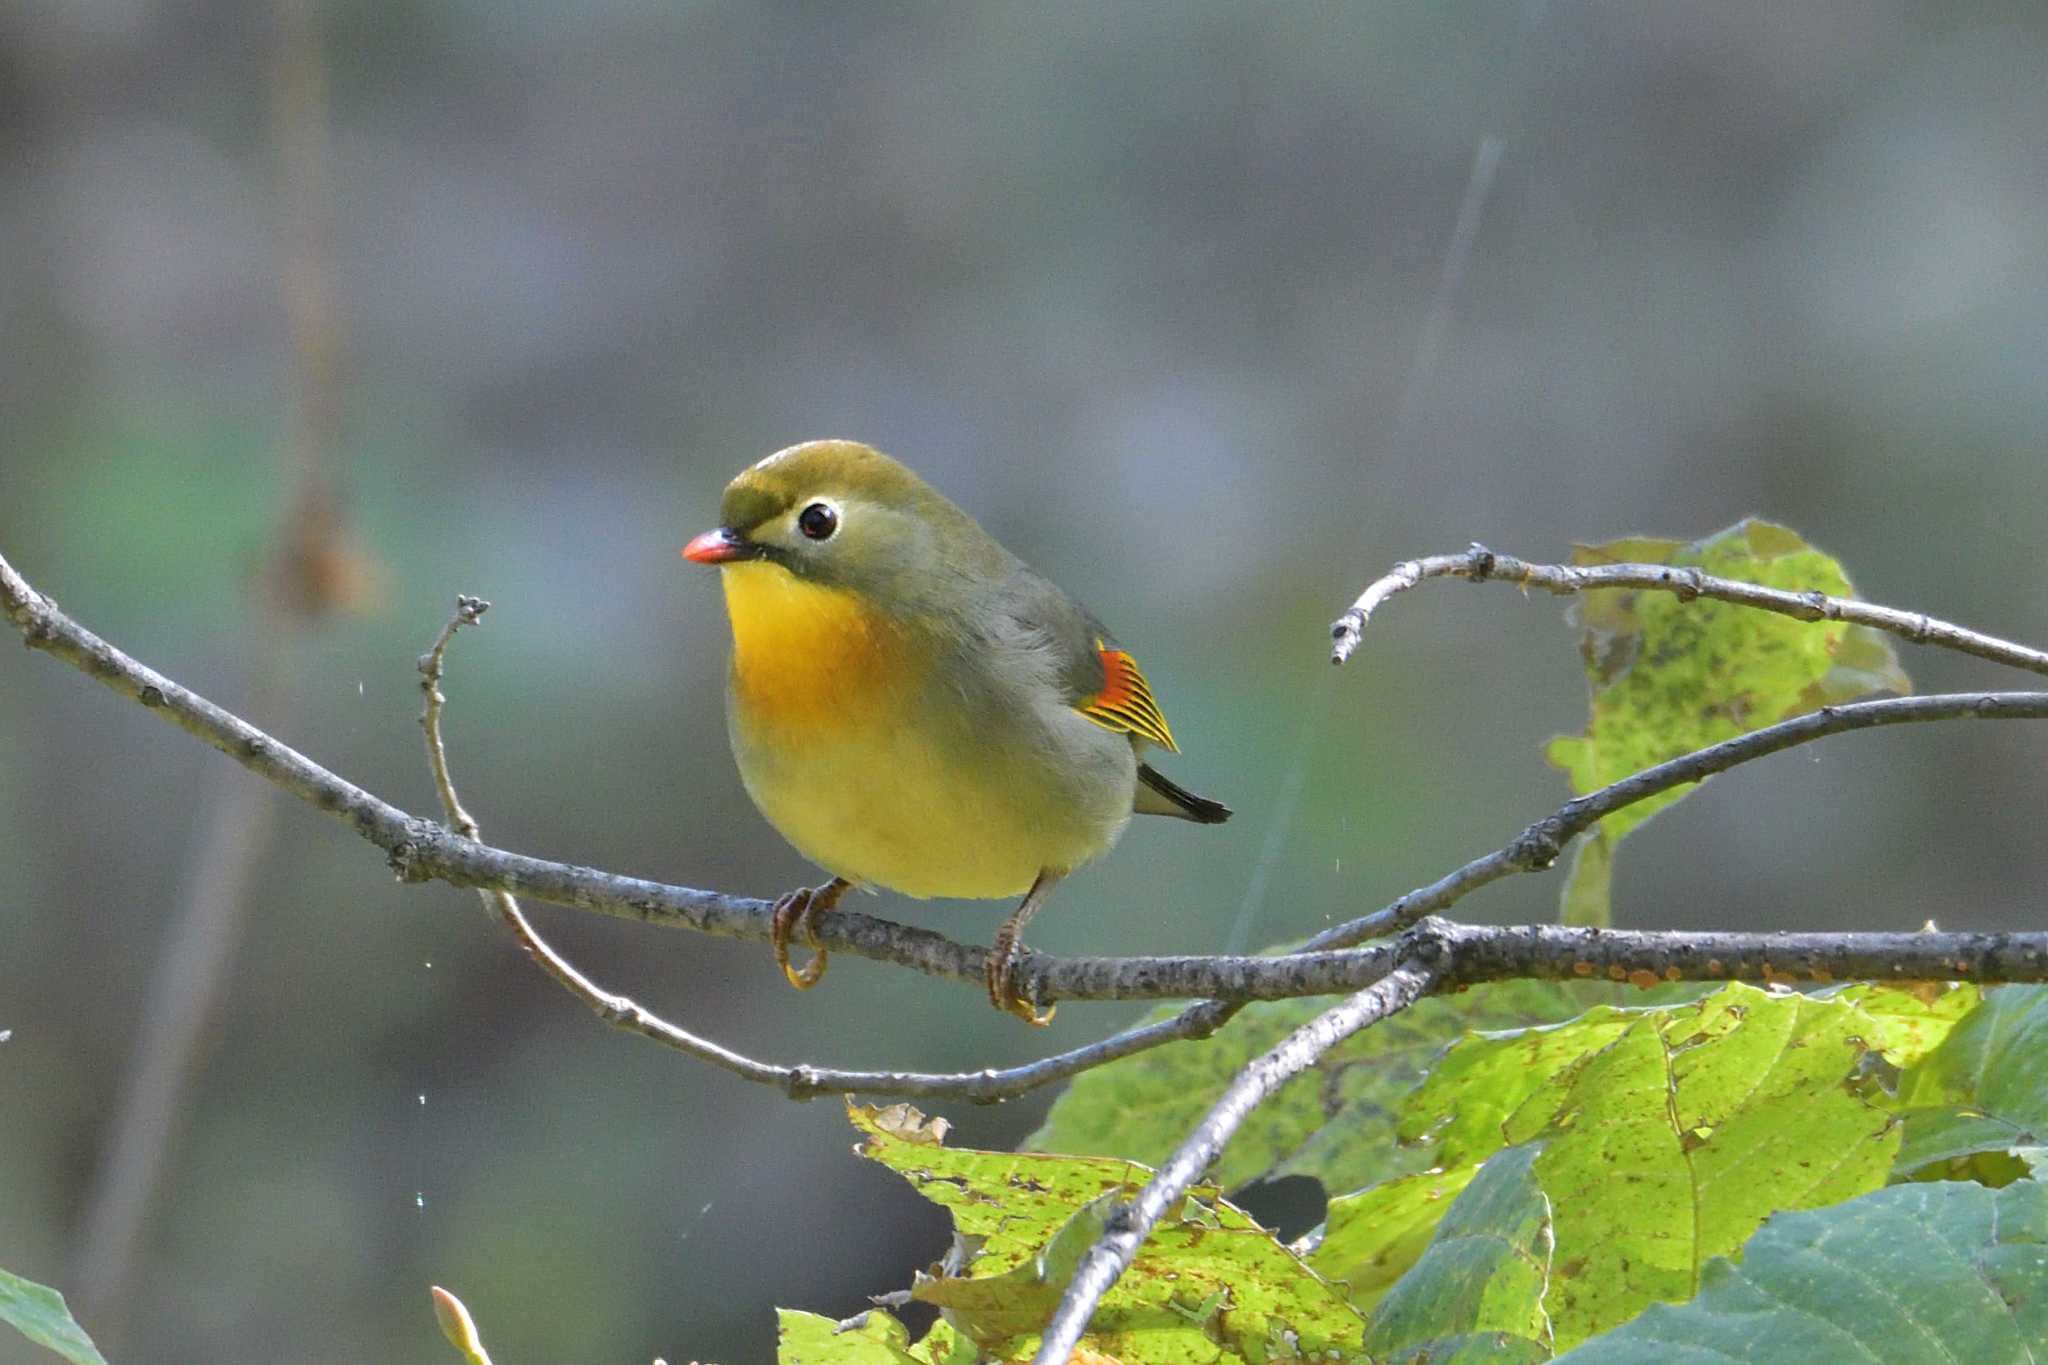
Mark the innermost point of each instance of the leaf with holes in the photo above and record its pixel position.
(1209, 1284)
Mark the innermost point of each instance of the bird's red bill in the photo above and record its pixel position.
(715, 547)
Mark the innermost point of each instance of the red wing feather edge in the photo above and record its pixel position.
(1125, 703)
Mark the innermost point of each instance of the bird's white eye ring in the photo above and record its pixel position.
(819, 521)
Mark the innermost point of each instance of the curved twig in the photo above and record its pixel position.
(1481, 565)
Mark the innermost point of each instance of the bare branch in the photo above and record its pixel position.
(1132, 1222)
(1467, 954)
(1481, 565)
(421, 849)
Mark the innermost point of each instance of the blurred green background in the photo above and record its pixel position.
(1141, 286)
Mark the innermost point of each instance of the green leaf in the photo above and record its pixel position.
(1982, 1091)
(38, 1313)
(873, 1338)
(1588, 898)
(1477, 1348)
(1485, 1272)
(1669, 677)
(1370, 1238)
(1486, 1077)
(1943, 1272)
(1011, 1202)
(1209, 1284)
(1909, 1022)
(1335, 1122)
(1667, 1134)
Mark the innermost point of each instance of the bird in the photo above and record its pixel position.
(914, 708)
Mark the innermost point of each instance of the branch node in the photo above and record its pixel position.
(1433, 943)
(402, 860)
(1815, 606)
(1538, 846)
(38, 621)
(151, 696)
(1480, 561)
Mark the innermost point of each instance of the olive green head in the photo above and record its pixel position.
(844, 514)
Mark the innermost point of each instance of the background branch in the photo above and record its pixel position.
(310, 571)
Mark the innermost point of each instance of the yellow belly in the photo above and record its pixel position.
(840, 744)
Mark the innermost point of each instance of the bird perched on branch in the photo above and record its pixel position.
(915, 708)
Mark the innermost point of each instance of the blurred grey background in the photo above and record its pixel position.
(1141, 286)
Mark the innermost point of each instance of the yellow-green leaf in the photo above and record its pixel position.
(1982, 1093)
(1941, 1273)
(1209, 1284)
(1669, 677)
(1669, 1141)
(873, 1338)
(1335, 1122)
(1371, 1238)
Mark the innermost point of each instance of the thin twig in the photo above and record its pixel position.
(1132, 1222)
(468, 612)
(1482, 565)
(1538, 846)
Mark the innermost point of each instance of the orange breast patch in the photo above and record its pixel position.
(805, 655)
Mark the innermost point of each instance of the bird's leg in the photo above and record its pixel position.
(1009, 946)
(803, 906)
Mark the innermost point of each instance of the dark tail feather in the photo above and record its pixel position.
(1170, 798)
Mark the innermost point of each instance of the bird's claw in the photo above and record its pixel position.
(1000, 970)
(802, 908)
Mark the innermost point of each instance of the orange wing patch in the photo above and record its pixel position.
(1125, 703)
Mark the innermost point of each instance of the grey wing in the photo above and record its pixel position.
(1031, 615)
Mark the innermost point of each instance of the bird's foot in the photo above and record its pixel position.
(802, 908)
(1000, 969)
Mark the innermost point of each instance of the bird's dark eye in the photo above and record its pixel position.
(818, 521)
